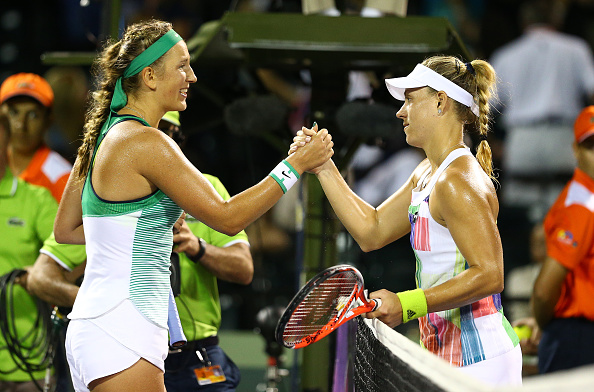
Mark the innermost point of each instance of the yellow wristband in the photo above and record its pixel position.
(414, 304)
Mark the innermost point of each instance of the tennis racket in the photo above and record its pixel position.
(327, 301)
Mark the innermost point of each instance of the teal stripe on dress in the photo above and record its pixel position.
(470, 341)
(149, 275)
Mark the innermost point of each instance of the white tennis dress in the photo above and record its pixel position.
(125, 291)
(471, 333)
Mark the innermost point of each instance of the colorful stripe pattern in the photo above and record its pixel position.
(419, 237)
(465, 335)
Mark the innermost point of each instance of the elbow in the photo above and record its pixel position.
(60, 239)
(366, 248)
(496, 285)
(247, 276)
(369, 244)
(231, 230)
(60, 235)
(496, 281)
(228, 226)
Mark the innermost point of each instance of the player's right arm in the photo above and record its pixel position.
(68, 226)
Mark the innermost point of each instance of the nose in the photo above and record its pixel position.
(192, 76)
(401, 113)
(17, 122)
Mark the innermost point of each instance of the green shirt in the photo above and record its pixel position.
(67, 255)
(27, 214)
(198, 304)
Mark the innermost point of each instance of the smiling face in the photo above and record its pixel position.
(175, 76)
(417, 113)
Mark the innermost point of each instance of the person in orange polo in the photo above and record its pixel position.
(27, 99)
(563, 297)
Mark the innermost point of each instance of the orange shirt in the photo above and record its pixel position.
(48, 169)
(569, 228)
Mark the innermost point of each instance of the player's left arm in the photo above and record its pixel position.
(464, 201)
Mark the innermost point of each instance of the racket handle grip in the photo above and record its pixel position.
(176, 333)
(378, 303)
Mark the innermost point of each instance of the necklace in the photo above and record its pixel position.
(449, 149)
(134, 110)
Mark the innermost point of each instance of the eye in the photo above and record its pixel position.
(33, 115)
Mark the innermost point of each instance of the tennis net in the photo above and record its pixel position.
(387, 361)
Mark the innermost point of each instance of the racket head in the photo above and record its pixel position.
(320, 304)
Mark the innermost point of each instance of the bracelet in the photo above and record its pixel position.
(285, 175)
(201, 251)
(414, 304)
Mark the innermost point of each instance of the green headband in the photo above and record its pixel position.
(144, 59)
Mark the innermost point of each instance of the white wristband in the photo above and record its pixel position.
(285, 175)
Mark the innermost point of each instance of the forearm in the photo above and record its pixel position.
(465, 288)
(47, 280)
(232, 264)
(547, 291)
(56, 292)
(246, 207)
(358, 217)
(542, 310)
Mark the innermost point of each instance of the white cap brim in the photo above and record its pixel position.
(423, 76)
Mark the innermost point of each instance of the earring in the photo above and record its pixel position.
(439, 111)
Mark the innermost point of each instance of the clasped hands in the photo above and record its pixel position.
(304, 136)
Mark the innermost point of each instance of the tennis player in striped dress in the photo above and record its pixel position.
(449, 207)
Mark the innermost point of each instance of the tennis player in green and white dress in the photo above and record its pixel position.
(129, 185)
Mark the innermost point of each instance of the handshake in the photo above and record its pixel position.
(304, 137)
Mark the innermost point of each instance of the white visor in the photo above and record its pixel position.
(422, 76)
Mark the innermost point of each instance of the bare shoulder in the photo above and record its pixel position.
(464, 185)
(141, 144)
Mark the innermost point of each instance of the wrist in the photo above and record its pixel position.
(414, 304)
(285, 175)
(201, 250)
(294, 162)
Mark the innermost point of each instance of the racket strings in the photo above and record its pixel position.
(322, 305)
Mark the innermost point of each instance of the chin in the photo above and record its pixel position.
(411, 142)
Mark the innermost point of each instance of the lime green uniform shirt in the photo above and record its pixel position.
(68, 256)
(198, 304)
(27, 214)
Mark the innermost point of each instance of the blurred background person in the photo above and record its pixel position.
(562, 300)
(545, 78)
(27, 213)
(26, 99)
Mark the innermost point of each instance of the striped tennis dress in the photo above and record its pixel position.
(465, 335)
(128, 251)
